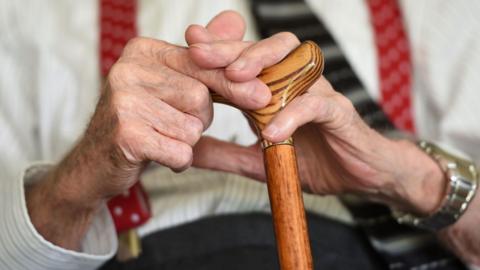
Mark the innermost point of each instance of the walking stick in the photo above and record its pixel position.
(287, 80)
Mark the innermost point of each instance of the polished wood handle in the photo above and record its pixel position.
(287, 80)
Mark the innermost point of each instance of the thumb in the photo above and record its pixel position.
(227, 25)
(213, 154)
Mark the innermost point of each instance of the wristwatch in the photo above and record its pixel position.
(461, 185)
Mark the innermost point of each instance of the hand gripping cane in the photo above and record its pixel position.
(287, 80)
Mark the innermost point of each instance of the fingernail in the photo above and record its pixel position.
(201, 46)
(271, 131)
(237, 65)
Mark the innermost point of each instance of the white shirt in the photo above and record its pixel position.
(49, 81)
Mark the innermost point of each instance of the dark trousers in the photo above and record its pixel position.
(246, 241)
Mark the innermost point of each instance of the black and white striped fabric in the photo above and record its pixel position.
(295, 16)
(400, 246)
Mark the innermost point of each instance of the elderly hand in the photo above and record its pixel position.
(154, 107)
(337, 151)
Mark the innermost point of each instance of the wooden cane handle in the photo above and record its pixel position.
(287, 80)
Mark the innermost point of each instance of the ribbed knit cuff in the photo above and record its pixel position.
(22, 247)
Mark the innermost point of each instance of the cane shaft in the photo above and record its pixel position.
(288, 212)
(286, 80)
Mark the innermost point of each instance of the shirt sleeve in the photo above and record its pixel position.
(22, 247)
(23, 133)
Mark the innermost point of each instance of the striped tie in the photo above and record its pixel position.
(296, 17)
(400, 247)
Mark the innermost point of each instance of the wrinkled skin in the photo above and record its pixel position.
(156, 105)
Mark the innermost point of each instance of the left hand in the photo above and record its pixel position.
(337, 152)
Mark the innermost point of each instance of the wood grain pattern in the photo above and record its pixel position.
(288, 212)
(287, 80)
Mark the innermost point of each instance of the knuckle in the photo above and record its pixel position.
(312, 104)
(119, 69)
(171, 55)
(195, 127)
(183, 157)
(141, 46)
(288, 38)
(134, 45)
(135, 42)
(199, 97)
(142, 43)
(346, 109)
(343, 102)
(319, 106)
(122, 72)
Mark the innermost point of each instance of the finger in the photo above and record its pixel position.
(192, 98)
(178, 90)
(227, 25)
(210, 153)
(166, 151)
(245, 55)
(141, 142)
(183, 93)
(172, 123)
(300, 111)
(198, 34)
(217, 54)
(263, 54)
(152, 112)
(252, 94)
(331, 110)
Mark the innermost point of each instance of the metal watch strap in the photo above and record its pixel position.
(462, 178)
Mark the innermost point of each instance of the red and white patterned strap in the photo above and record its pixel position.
(118, 24)
(395, 68)
(117, 27)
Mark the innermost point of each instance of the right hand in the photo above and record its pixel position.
(154, 107)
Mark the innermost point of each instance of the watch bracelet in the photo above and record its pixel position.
(462, 181)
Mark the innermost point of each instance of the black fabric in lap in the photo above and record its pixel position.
(246, 241)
